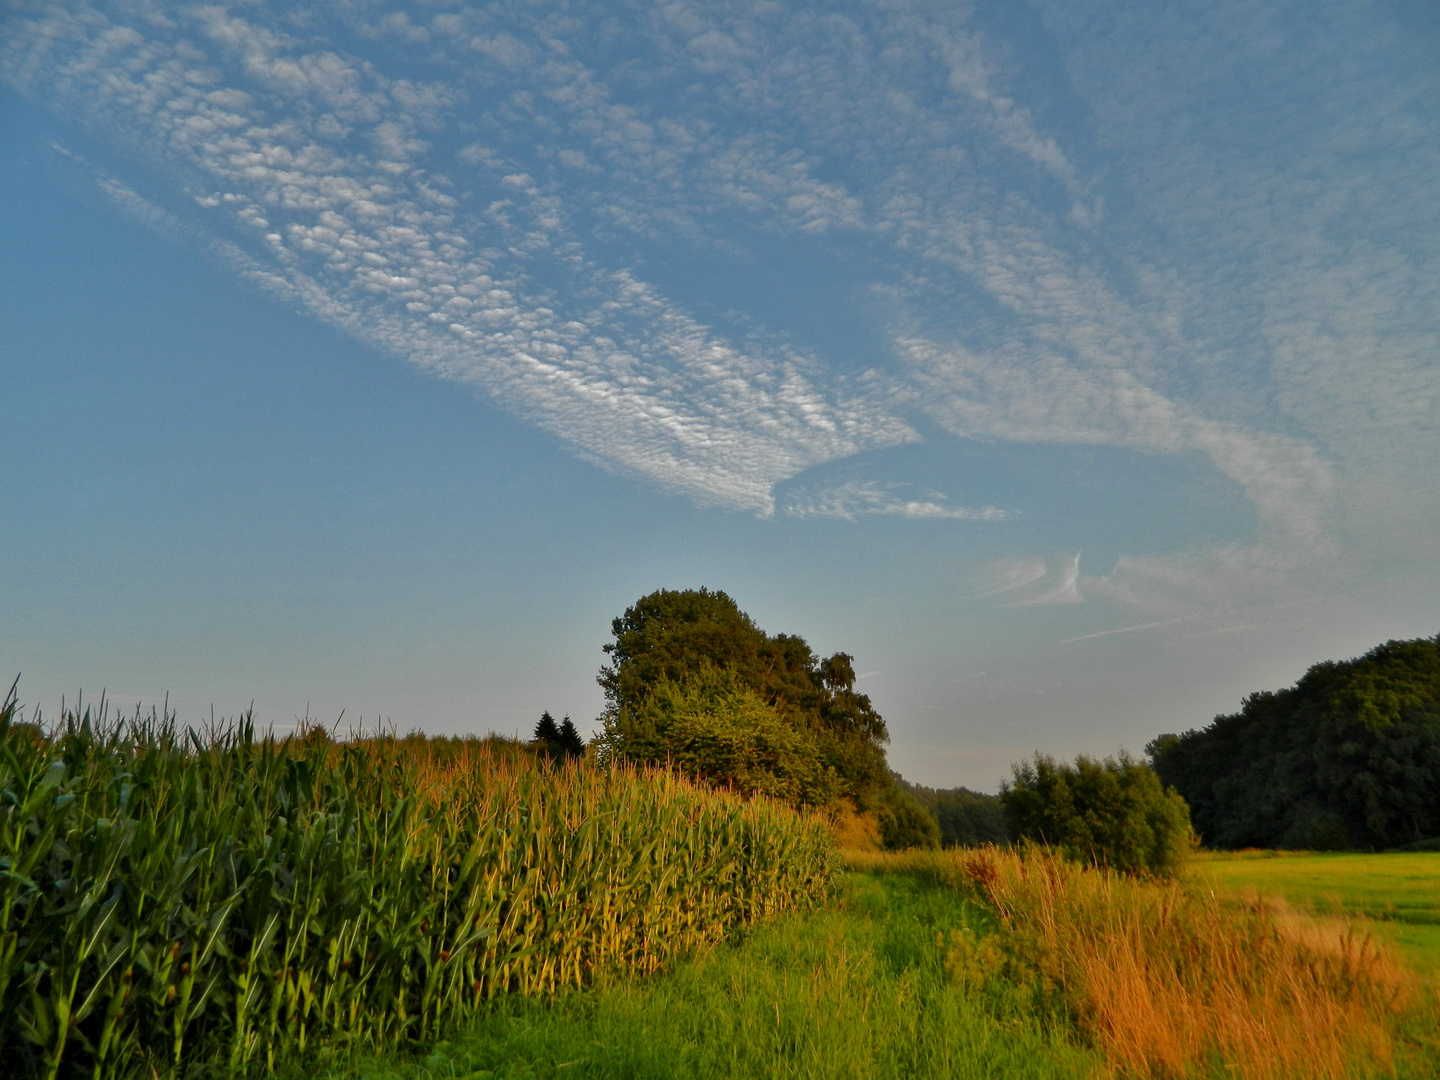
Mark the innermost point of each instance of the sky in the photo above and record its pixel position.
(1073, 366)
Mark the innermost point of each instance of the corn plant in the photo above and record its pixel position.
(174, 902)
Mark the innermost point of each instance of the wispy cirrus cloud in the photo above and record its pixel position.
(1035, 582)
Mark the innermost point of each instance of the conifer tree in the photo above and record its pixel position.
(547, 731)
(570, 740)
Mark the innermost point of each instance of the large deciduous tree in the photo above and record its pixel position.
(694, 681)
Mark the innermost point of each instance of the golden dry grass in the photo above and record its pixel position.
(1170, 981)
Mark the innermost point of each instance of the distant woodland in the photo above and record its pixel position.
(1348, 757)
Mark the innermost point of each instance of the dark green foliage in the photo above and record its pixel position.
(1349, 757)
(558, 740)
(904, 823)
(570, 739)
(1113, 813)
(547, 731)
(966, 818)
(670, 639)
(714, 727)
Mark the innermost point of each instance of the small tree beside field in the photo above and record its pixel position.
(1113, 813)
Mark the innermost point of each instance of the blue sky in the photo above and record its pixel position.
(1074, 366)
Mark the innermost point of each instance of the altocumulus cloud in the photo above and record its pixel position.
(481, 191)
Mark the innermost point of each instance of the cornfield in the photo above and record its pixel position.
(174, 903)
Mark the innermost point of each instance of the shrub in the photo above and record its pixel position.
(712, 726)
(1113, 813)
(904, 823)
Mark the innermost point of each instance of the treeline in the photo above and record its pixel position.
(965, 818)
(1348, 757)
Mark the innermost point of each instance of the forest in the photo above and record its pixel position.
(1347, 758)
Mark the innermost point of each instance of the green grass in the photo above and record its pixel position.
(856, 990)
(1400, 891)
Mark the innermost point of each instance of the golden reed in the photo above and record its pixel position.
(1169, 980)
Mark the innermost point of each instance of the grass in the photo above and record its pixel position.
(1168, 980)
(980, 963)
(1399, 892)
(858, 990)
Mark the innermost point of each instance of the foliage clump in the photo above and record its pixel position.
(694, 682)
(966, 818)
(560, 740)
(1113, 812)
(1348, 757)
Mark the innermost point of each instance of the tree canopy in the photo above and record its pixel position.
(672, 636)
(1114, 812)
(692, 680)
(1348, 757)
(966, 818)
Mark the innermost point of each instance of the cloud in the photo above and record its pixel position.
(323, 198)
(1229, 249)
(1128, 629)
(856, 498)
(1034, 581)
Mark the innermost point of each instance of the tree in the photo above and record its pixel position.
(1113, 813)
(670, 636)
(558, 740)
(570, 739)
(711, 725)
(966, 818)
(547, 731)
(1348, 757)
(693, 681)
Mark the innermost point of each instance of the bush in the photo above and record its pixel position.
(712, 726)
(904, 823)
(1113, 813)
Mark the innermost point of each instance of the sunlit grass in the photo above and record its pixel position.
(1399, 891)
(1171, 980)
(859, 990)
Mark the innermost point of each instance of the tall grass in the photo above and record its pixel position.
(1170, 981)
(172, 902)
(853, 991)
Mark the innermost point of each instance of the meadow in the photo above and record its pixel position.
(980, 963)
(856, 990)
(1396, 893)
